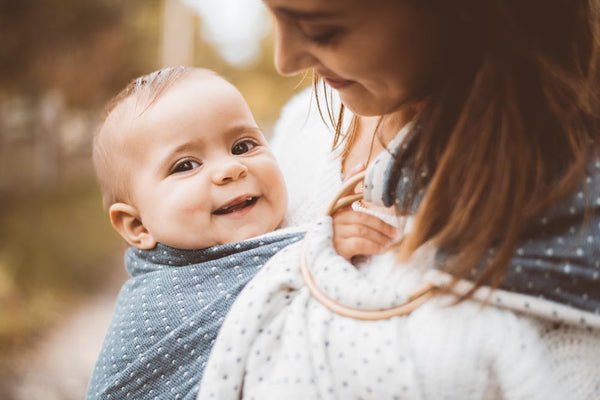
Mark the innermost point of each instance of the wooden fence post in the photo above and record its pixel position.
(178, 34)
(47, 140)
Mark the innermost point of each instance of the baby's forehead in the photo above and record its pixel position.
(202, 76)
(117, 136)
(114, 128)
(144, 101)
(119, 124)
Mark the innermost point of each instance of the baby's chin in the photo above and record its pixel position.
(251, 231)
(224, 236)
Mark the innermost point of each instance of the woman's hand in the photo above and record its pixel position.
(359, 234)
(356, 233)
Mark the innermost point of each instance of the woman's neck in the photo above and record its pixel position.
(372, 135)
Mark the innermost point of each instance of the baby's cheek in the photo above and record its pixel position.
(189, 210)
(192, 207)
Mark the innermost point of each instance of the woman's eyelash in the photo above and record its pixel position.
(324, 37)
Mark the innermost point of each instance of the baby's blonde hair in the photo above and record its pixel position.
(144, 91)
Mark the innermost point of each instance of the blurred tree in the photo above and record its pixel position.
(86, 49)
(59, 58)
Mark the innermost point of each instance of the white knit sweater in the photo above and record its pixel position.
(278, 342)
(302, 144)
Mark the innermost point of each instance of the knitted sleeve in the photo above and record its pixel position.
(302, 144)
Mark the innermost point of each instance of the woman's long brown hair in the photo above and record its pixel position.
(506, 131)
(509, 132)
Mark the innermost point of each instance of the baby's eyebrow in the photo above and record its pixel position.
(240, 129)
(167, 157)
(182, 148)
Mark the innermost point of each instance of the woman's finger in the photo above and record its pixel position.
(361, 232)
(357, 246)
(354, 223)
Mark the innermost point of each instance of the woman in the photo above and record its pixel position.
(499, 164)
(368, 83)
(498, 84)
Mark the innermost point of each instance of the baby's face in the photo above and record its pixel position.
(202, 172)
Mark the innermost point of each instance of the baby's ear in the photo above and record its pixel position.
(126, 220)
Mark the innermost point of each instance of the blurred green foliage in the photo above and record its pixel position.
(56, 248)
(56, 244)
(86, 49)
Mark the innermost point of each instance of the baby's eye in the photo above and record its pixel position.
(243, 146)
(184, 165)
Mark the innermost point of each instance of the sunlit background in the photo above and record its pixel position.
(60, 61)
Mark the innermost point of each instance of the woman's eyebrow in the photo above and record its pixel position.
(305, 15)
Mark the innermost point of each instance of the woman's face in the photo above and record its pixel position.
(377, 54)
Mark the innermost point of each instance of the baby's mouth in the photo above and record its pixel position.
(236, 205)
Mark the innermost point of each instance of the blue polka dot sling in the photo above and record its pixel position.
(168, 315)
(554, 272)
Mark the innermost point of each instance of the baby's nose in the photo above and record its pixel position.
(229, 172)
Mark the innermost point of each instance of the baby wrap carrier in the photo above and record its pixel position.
(538, 338)
(168, 315)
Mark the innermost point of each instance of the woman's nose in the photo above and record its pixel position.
(229, 172)
(291, 52)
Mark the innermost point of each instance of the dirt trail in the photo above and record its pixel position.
(59, 367)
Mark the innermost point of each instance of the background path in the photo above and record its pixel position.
(59, 366)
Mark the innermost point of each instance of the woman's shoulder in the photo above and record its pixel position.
(300, 122)
(302, 144)
(297, 106)
(306, 118)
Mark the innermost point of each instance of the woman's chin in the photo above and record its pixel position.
(361, 103)
(366, 104)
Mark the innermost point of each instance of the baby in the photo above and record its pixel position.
(190, 184)
(187, 179)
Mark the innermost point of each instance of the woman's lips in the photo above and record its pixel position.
(337, 83)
